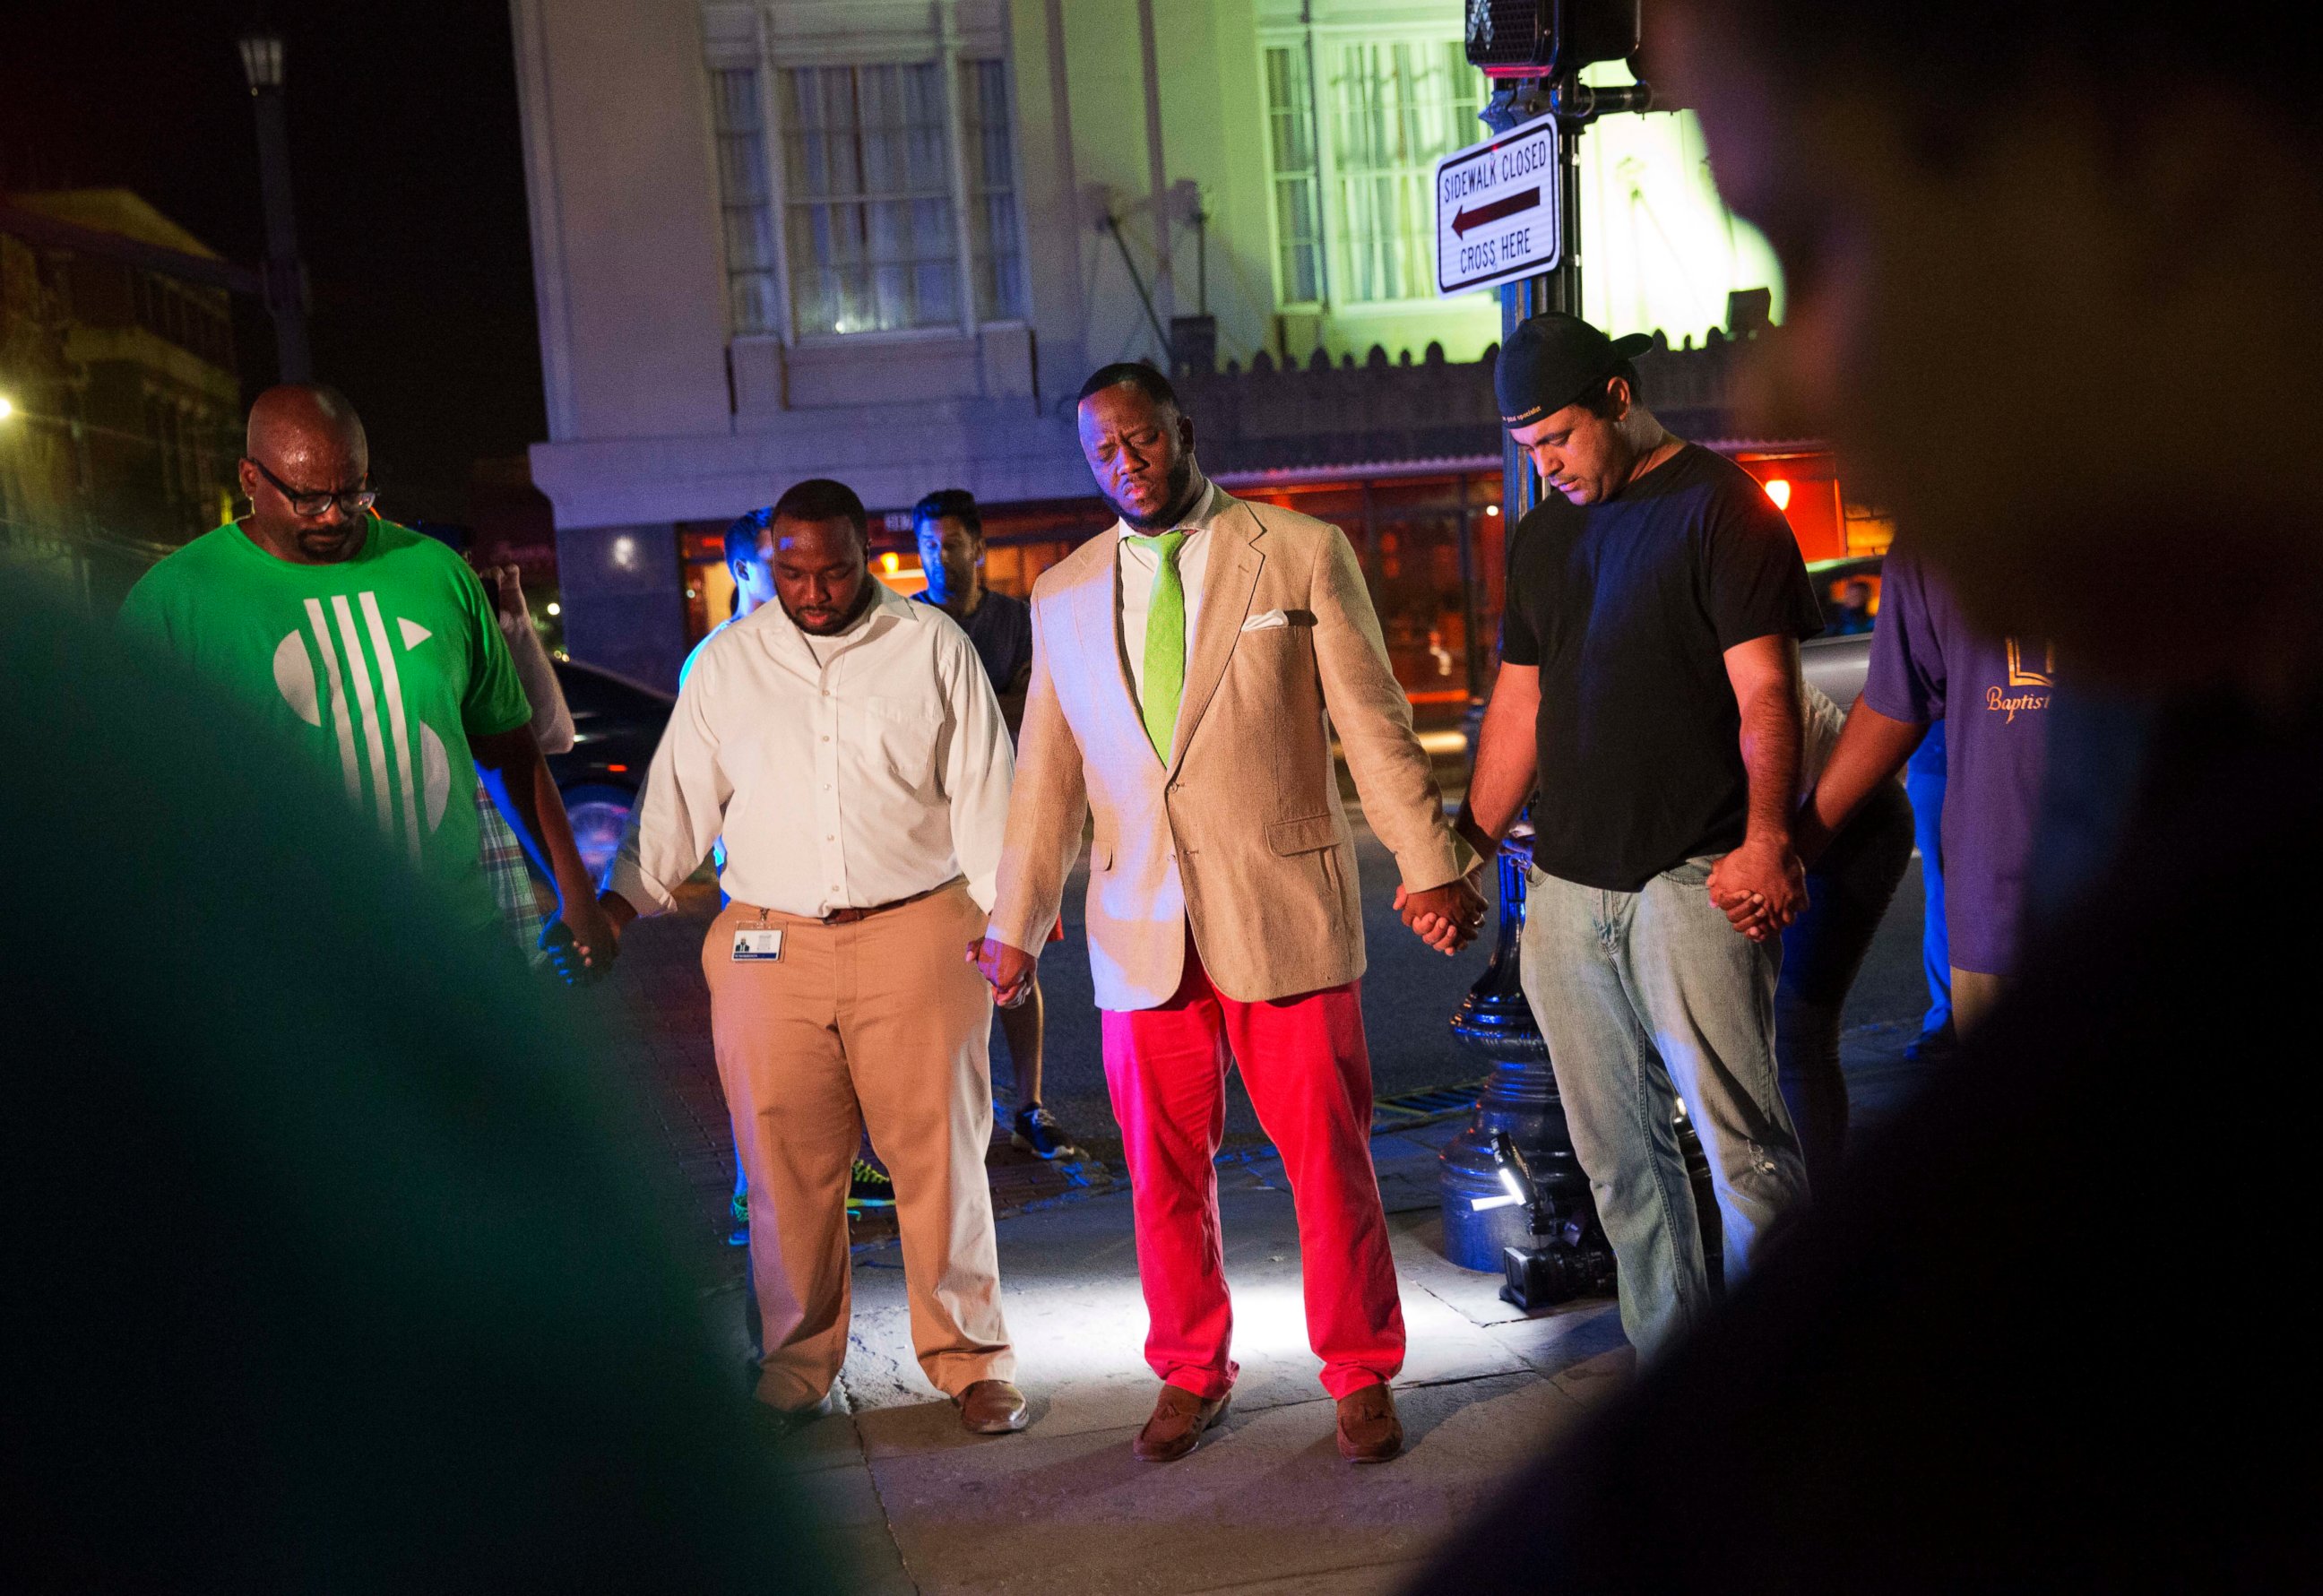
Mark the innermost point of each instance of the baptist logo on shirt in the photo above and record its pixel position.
(368, 676)
(2021, 675)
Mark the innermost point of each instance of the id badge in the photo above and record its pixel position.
(755, 943)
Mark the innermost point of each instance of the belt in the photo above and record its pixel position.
(850, 916)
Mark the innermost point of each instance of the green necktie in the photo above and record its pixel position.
(1165, 643)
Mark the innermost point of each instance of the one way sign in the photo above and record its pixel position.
(1496, 209)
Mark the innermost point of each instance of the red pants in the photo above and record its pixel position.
(1309, 1076)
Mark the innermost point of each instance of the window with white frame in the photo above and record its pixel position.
(1354, 213)
(746, 201)
(995, 244)
(870, 197)
(1290, 150)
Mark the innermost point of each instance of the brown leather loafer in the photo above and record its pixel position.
(991, 1407)
(1175, 1428)
(1369, 1430)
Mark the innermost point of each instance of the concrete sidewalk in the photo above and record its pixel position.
(1266, 1505)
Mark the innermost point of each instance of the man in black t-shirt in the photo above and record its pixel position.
(950, 533)
(1651, 681)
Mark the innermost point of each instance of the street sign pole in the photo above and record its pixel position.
(1518, 1106)
(1515, 102)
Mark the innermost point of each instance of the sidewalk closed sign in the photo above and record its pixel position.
(1496, 210)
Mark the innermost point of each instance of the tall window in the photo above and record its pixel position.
(996, 243)
(746, 200)
(868, 217)
(872, 201)
(1395, 108)
(1291, 145)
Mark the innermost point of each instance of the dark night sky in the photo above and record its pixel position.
(409, 169)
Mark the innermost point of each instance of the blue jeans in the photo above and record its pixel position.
(1646, 997)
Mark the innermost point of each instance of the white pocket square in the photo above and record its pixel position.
(1266, 622)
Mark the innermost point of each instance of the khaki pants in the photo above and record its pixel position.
(881, 1023)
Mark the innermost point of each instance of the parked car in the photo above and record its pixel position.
(1838, 661)
(616, 724)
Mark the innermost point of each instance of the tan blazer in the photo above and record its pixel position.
(1242, 834)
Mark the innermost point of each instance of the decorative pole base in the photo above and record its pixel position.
(1520, 1098)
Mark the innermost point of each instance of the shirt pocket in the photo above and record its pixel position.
(898, 735)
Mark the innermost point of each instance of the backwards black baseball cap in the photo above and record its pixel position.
(1553, 359)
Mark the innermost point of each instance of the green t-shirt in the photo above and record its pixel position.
(383, 666)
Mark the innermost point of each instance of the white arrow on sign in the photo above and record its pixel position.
(1496, 209)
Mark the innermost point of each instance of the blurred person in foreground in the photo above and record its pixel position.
(950, 533)
(1189, 666)
(844, 743)
(2051, 296)
(405, 1312)
(375, 649)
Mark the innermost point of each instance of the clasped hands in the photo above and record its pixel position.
(1448, 917)
(1761, 887)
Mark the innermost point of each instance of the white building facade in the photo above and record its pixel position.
(886, 239)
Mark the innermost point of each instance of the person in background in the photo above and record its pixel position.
(1924, 784)
(750, 562)
(506, 866)
(846, 746)
(1650, 688)
(951, 534)
(514, 889)
(376, 648)
(1929, 663)
(1849, 885)
(1854, 613)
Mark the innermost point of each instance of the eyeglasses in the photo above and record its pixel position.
(310, 503)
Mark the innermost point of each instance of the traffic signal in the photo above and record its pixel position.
(1548, 38)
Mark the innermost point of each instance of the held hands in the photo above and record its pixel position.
(1010, 969)
(1444, 917)
(581, 942)
(1761, 886)
(506, 584)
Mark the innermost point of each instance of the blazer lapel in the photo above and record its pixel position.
(1227, 588)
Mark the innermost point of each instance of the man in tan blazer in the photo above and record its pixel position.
(1183, 666)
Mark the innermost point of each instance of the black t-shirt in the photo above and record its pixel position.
(1627, 608)
(1001, 629)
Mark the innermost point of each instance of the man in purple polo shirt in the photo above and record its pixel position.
(1992, 695)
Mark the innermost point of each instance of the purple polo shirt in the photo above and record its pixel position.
(1992, 694)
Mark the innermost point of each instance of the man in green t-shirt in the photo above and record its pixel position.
(371, 646)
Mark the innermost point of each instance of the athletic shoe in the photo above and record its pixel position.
(1038, 1134)
(870, 1187)
(1934, 1046)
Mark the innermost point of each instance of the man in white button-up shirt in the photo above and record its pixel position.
(848, 748)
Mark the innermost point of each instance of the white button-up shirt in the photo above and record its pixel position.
(1139, 564)
(846, 772)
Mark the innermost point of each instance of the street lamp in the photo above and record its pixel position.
(286, 280)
